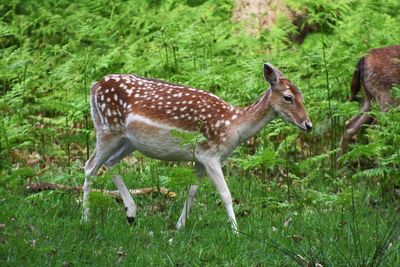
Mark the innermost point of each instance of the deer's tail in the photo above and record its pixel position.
(357, 79)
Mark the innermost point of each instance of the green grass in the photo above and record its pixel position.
(45, 229)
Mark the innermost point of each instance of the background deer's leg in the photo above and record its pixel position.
(106, 145)
(200, 171)
(214, 171)
(354, 121)
(355, 127)
(354, 124)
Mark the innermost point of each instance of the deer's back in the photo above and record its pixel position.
(119, 97)
(381, 73)
(382, 65)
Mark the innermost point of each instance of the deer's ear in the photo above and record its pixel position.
(271, 74)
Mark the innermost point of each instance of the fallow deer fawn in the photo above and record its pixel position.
(376, 73)
(131, 113)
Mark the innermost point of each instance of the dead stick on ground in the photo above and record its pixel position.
(37, 187)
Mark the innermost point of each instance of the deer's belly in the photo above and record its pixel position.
(155, 140)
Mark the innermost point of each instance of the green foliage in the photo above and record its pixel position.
(188, 140)
(263, 159)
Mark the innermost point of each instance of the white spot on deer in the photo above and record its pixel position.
(115, 119)
(161, 98)
(182, 109)
(223, 139)
(102, 97)
(183, 115)
(209, 115)
(112, 89)
(107, 90)
(234, 117)
(168, 111)
(202, 110)
(108, 99)
(168, 103)
(176, 117)
(116, 97)
(217, 123)
(174, 108)
(190, 102)
(140, 82)
(107, 78)
(108, 114)
(183, 102)
(227, 123)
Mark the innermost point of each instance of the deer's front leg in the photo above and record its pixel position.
(194, 188)
(186, 207)
(214, 171)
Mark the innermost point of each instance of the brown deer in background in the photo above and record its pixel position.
(131, 113)
(376, 73)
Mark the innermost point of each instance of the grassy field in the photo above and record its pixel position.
(297, 202)
(45, 229)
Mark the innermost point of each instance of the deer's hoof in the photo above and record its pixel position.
(130, 220)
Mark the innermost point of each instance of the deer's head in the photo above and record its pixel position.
(286, 100)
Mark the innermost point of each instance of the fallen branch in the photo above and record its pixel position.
(37, 187)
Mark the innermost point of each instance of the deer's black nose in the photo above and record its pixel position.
(308, 125)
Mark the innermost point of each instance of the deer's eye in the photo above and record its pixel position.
(288, 99)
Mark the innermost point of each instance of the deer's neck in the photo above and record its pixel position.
(255, 117)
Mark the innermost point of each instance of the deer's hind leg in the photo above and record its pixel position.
(125, 148)
(355, 123)
(107, 143)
